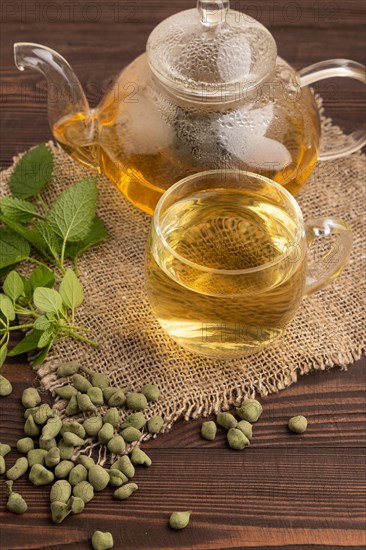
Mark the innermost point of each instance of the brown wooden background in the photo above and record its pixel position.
(294, 492)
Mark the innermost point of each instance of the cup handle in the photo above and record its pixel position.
(337, 68)
(320, 272)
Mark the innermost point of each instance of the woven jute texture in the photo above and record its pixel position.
(328, 331)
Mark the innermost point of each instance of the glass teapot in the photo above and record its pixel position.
(209, 93)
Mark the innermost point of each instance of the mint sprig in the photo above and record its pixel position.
(46, 235)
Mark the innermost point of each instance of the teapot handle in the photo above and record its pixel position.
(336, 68)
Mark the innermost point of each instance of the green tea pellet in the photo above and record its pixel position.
(136, 401)
(5, 386)
(53, 457)
(108, 392)
(125, 491)
(100, 380)
(155, 424)
(36, 456)
(39, 475)
(84, 403)
(105, 434)
(96, 396)
(245, 427)
(43, 413)
(226, 420)
(2, 465)
(102, 540)
(52, 428)
(151, 392)
(250, 410)
(81, 383)
(73, 427)
(236, 439)
(19, 468)
(208, 430)
(66, 392)
(59, 511)
(60, 491)
(4, 449)
(138, 456)
(16, 502)
(63, 468)
(98, 477)
(112, 417)
(92, 425)
(47, 444)
(135, 420)
(77, 505)
(72, 439)
(66, 451)
(30, 398)
(25, 444)
(30, 427)
(30, 411)
(125, 465)
(116, 445)
(117, 399)
(84, 490)
(86, 461)
(131, 434)
(78, 474)
(179, 520)
(67, 369)
(116, 477)
(298, 424)
(72, 406)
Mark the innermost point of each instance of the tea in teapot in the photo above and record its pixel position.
(209, 93)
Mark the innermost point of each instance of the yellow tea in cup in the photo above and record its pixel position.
(227, 262)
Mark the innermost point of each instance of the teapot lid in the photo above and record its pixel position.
(211, 52)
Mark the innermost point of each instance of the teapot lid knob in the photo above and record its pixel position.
(213, 12)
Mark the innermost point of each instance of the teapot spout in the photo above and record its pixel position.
(66, 98)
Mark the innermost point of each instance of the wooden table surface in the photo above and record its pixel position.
(285, 491)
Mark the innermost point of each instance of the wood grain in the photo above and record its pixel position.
(284, 491)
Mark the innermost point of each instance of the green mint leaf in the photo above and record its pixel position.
(29, 342)
(48, 238)
(38, 359)
(13, 285)
(17, 210)
(42, 323)
(13, 248)
(41, 276)
(3, 354)
(45, 338)
(72, 213)
(6, 307)
(47, 300)
(96, 235)
(31, 235)
(71, 290)
(32, 173)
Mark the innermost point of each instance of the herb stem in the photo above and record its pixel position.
(83, 329)
(63, 252)
(17, 327)
(83, 339)
(34, 261)
(43, 204)
(3, 323)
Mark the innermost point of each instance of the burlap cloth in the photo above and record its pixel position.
(329, 329)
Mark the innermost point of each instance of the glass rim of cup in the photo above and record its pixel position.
(197, 175)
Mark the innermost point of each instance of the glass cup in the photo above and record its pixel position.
(227, 261)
